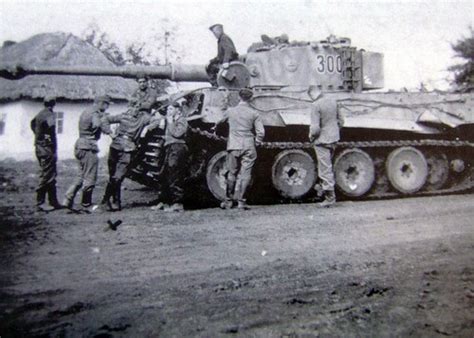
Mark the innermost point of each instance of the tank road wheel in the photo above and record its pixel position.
(293, 173)
(407, 169)
(216, 175)
(354, 172)
(438, 171)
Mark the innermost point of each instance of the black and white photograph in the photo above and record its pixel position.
(237, 168)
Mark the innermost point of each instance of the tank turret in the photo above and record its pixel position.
(329, 65)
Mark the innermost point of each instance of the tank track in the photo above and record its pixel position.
(465, 185)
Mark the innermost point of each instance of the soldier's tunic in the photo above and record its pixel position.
(43, 126)
(245, 128)
(143, 97)
(226, 52)
(91, 124)
(176, 157)
(123, 147)
(324, 132)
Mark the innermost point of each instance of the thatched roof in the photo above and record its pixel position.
(59, 49)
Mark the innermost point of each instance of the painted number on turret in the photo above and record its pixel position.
(328, 63)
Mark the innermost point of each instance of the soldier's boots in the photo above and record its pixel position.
(227, 204)
(160, 206)
(229, 193)
(329, 199)
(117, 196)
(116, 206)
(86, 203)
(175, 207)
(242, 205)
(105, 203)
(44, 207)
(41, 206)
(68, 203)
(53, 198)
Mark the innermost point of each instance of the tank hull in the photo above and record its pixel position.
(392, 144)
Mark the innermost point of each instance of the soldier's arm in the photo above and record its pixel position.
(105, 121)
(155, 122)
(51, 122)
(224, 118)
(178, 128)
(315, 126)
(259, 129)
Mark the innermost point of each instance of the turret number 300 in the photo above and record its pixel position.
(329, 63)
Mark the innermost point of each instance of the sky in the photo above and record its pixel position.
(414, 36)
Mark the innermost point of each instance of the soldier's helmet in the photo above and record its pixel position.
(246, 94)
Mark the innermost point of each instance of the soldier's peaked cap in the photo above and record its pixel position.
(215, 25)
(142, 75)
(246, 93)
(103, 98)
(49, 99)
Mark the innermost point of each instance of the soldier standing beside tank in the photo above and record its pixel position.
(91, 125)
(145, 94)
(324, 133)
(43, 126)
(245, 129)
(176, 157)
(123, 147)
(226, 53)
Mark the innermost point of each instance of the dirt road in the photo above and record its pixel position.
(375, 268)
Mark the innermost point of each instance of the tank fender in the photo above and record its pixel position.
(439, 118)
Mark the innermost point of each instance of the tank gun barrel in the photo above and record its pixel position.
(178, 72)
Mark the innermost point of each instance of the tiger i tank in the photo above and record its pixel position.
(392, 143)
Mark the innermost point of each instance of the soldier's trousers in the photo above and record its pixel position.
(87, 176)
(239, 166)
(176, 158)
(118, 162)
(324, 154)
(47, 158)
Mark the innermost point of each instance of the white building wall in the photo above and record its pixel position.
(17, 140)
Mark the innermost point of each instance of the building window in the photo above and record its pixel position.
(59, 122)
(3, 118)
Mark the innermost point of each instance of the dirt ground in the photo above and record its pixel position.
(361, 269)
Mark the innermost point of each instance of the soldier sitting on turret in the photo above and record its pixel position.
(145, 94)
(226, 53)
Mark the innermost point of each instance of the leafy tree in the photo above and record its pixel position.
(464, 71)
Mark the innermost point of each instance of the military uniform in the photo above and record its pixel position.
(43, 126)
(324, 133)
(226, 52)
(92, 124)
(241, 151)
(176, 157)
(122, 149)
(141, 97)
